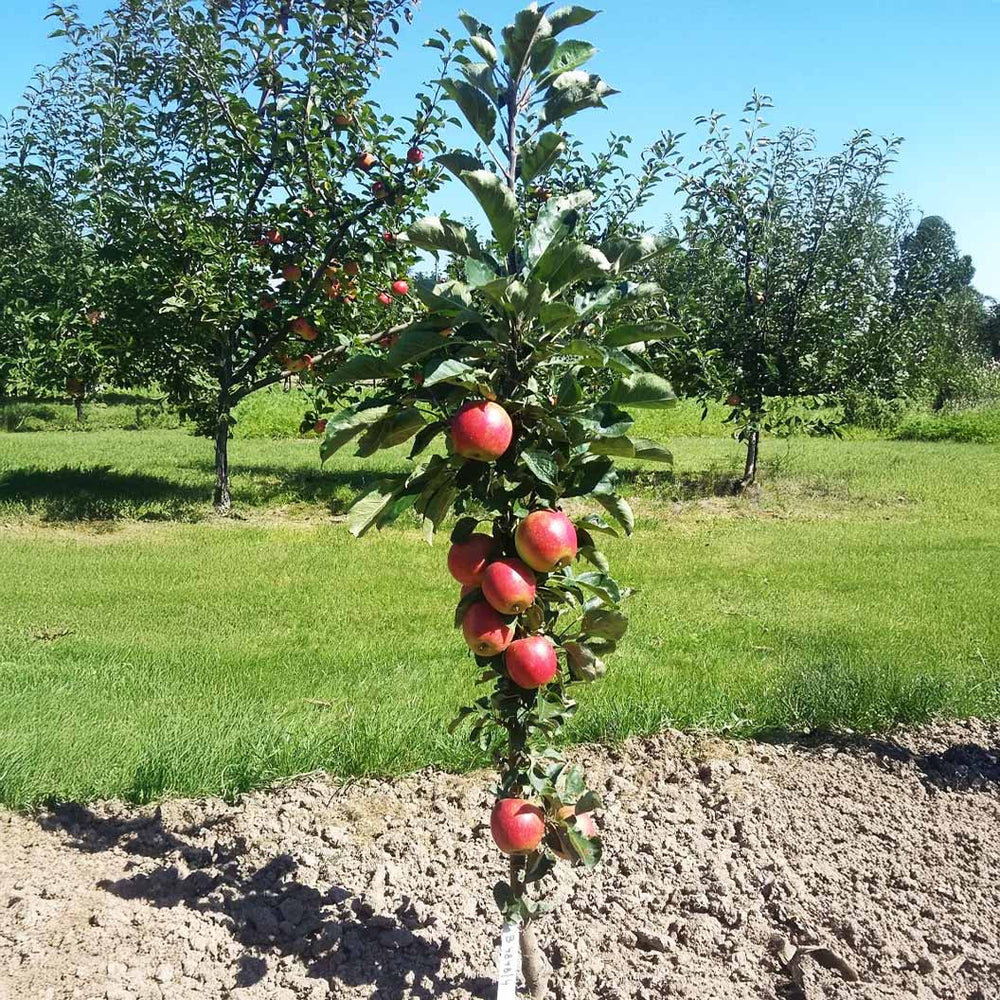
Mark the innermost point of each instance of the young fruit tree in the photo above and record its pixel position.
(243, 188)
(508, 365)
(787, 264)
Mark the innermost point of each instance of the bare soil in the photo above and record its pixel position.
(831, 868)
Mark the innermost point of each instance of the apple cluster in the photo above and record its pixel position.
(498, 588)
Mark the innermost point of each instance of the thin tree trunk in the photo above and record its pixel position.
(534, 964)
(223, 501)
(78, 401)
(750, 469)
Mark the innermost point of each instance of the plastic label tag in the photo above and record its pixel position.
(509, 962)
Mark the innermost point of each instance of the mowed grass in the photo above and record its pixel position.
(201, 656)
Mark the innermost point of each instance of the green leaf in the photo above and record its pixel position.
(360, 368)
(570, 54)
(414, 344)
(538, 157)
(479, 111)
(435, 233)
(366, 511)
(619, 447)
(569, 263)
(437, 507)
(530, 27)
(542, 464)
(569, 17)
(605, 420)
(556, 220)
(584, 664)
(590, 354)
(618, 508)
(604, 622)
(637, 333)
(458, 162)
(573, 92)
(497, 201)
(596, 558)
(643, 390)
(424, 437)
(556, 316)
(478, 273)
(652, 451)
(464, 527)
(465, 603)
(480, 75)
(395, 428)
(447, 370)
(626, 253)
(587, 849)
(346, 426)
(485, 48)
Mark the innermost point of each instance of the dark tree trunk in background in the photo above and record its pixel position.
(750, 469)
(78, 401)
(223, 501)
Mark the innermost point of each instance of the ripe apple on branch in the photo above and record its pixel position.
(510, 366)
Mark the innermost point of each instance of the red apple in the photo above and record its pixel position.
(274, 237)
(517, 826)
(351, 268)
(292, 272)
(385, 298)
(467, 588)
(380, 190)
(733, 400)
(414, 155)
(546, 540)
(509, 586)
(342, 120)
(320, 426)
(301, 327)
(531, 662)
(481, 430)
(447, 331)
(467, 560)
(365, 161)
(400, 287)
(389, 237)
(485, 631)
(267, 302)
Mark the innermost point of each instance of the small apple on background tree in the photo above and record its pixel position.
(509, 362)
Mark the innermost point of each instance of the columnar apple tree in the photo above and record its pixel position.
(243, 188)
(497, 382)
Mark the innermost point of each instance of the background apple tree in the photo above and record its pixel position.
(501, 386)
(241, 187)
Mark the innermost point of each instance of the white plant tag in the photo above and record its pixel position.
(509, 962)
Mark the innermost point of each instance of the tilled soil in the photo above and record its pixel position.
(830, 869)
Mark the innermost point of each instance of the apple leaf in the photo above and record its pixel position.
(556, 220)
(436, 233)
(436, 508)
(604, 622)
(530, 27)
(485, 48)
(596, 558)
(496, 201)
(366, 511)
(618, 508)
(584, 665)
(570, 262)
(478, 274)
(477, 108)
(464, 604)
(480, 75)
(556, 316)
(413, 344)
(447, 370)
(652, 451)
(457, 161)
(346, 426)
(538, 157)
(542, 465)
(394, 428)
(569, 17)
(572, 92)
(637, 333)
(568, 55)
(360, 368)
(642, 390)
(464, 527)
(626, 253)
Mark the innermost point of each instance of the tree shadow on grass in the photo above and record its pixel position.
(960, 768)
(334, 933)
(98, 493)
(101, 493)
(715, 481)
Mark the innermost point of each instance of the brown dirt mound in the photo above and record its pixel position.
(732, 870)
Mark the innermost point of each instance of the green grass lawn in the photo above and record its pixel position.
(137, 659)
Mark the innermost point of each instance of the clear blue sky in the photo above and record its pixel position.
(923, 69)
